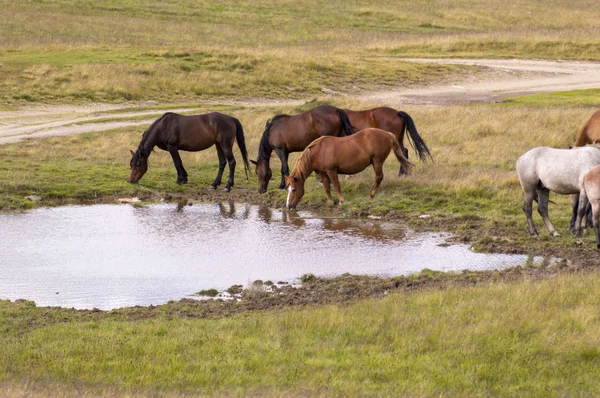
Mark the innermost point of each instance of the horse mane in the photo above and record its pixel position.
(264, 148)
(140, 151)
(303, 165)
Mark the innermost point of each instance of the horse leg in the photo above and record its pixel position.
(333, 176)
(326, 184)
(403, 170)
(181, 173)
(285, 170)
(574, 205)
(543, 199)
(595, 215)
(581, 212)
(231, 162)
(528, 209)
(378, 168)
(222, 162)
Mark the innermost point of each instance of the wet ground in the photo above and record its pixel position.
(110, 256)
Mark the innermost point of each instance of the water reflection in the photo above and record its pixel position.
(108, 256)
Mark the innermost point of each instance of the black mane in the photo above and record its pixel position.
(140, 151)
(264, 148)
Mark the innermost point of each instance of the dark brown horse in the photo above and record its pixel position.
(173, 132)
(285, 134)
(590, 133)
(397, 123)
(330, 156)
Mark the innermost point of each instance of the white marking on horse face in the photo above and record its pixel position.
(287, 202)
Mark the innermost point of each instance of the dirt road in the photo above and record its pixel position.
(498, 79)
(505, 78)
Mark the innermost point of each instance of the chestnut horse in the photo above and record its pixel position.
(591, 184)
(590, 132)
(397, 123)
(172, 132)
(330, 156)
(285, 134)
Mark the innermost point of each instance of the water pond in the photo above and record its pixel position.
(110, 256)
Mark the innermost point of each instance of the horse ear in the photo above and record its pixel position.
(254, 162)
(132, 153)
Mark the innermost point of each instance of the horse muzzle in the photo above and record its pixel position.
(262, 190)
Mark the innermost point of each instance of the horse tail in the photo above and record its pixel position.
(239, 136)
(404, 162)
(345, 122)
(414, 138)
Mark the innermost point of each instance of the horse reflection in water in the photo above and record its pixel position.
(228, 210)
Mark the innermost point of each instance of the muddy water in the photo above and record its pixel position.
(109, 256)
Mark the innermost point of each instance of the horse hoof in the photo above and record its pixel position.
(213, 186)
(227, 189)
(556, 234)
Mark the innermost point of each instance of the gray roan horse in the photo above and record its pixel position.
(544, 169)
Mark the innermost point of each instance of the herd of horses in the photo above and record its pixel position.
(341, 141)
(283, 134)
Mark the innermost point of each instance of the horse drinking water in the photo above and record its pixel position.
(330, 156)
(284, 134)
(397, 123)
(172, 132)
(544, 169)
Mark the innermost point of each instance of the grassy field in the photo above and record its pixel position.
(70, 51)
(515, 336)
(525, 338)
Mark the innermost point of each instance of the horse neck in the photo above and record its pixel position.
(149, 139)
(264, 147)
(303, 166)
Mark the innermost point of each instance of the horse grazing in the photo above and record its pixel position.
(285, 134)
(330, 156)
(544, 169)
(397, 123)
(591, 184)
(172, 132)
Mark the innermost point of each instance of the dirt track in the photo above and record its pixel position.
(499, 79)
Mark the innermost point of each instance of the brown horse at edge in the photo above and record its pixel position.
(589, 134)
(330, 156)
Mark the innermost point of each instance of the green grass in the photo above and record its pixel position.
(73, 51)
(525, 338)
(589, 98)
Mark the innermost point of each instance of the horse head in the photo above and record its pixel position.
(139, 166)
(264, 173)
(295, 187)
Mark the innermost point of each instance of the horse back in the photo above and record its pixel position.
(559, 170)
(197, 132)
(383, 117)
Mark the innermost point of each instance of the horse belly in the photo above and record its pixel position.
(353, 163)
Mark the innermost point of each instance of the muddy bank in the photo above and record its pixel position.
(341, 290)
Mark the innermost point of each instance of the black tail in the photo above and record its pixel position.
(345, 121)
(414, 138)
(239, 136)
